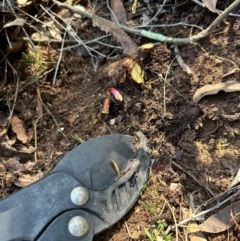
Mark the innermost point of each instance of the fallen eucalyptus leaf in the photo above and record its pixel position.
(128, 45)
(214, 89)
(222, 220)
(211, 5)
(119, 11)
(16, 22)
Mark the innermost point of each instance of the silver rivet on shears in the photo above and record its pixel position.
(78, 226)
(79, 195)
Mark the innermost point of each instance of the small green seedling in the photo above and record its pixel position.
(221, 145)
(155, 234)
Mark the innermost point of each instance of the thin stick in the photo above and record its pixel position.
(129, 234)
(194, 178)
(50, 113)
(164, 86)
(14, 13)
(16, 91)
(159, 10)
(173, 215)
(35, 136)
(113, 14)
(59, 59)
(183, 65)
(74, 35)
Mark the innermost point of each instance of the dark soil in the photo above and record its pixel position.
(203, 138)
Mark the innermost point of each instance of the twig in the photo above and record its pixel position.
(164, 86)
(159, 10)
(16, 91)
(75, 36)
(35, 136)
(59, 59)
(169, 25)
(129, 234)
(14, 13)
(159, 37)
(193, 177)
(173, 215)
(183, 65)
(50, 113)
(218, 205)
(220, 11)
(113, 14)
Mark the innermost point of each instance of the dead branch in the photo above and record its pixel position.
(156, 36)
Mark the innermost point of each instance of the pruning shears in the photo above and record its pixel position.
(88, 191)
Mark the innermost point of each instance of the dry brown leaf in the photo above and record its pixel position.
(211, 5)
(19, 129)
(55, 33)
(119, 11)
(22, 156)
(214, 89)
(11, 164)
(40, 36)
(26, 179)
(28, 166)
(72, 118)
(128, 45)
(222, 220)
(2, 168)
(16, 47)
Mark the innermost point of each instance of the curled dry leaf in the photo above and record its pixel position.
(222, 220)
(135, 70)
(214, 89)
(26, 179)
(119, 11)
(128, 45)
(19, 129)
(16, 47)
